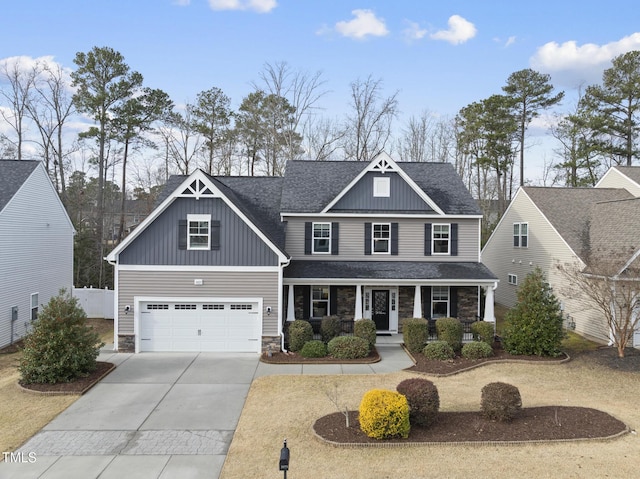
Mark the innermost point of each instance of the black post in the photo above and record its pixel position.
(284, 459)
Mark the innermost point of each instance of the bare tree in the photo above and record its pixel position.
(413, 145)
(181, 140)
(322, 137)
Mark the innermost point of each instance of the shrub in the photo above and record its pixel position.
(300, 332)
(330, 327)
(348, 347)
(415, 332)
(314, 349)
(450, 330)
(61, 346)
(384, 414)
(534, 325)
(483, 331)
(424, 401)
(477, 350)
(440, 350)
(365, 329)
(500, 401)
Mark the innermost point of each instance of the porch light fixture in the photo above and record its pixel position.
(284, 459)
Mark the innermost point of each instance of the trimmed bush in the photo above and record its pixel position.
(500, 401)
(423, 398)
(450, 330)
(61, 346)
(440, 350)
(415, 332)
(477, 350)
(348, 347)
(300, 332)
(330, 328)
(384, 414)
(314, 349)
(365, 329)
(483, 331)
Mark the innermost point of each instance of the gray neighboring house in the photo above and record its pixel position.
(223, 262)
(36, 245)
(545, 226)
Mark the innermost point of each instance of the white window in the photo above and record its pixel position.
(381, 186)
(320, 301)
(34, 306)
(441, 236)
(381, 237)
(439, 301)
(198, 231)
(520, 235)
(513, 279)
(322, 237)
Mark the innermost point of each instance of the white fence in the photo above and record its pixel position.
(97, 303)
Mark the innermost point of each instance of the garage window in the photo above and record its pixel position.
(157, 306)
(241, 306)
(185, 306)
(213, 306)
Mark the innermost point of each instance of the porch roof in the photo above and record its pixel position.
(408, 272)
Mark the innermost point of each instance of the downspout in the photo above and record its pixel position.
(280, 311)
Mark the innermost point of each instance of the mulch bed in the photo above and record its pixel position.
(608, 357)
(79, 386)
(295, 358)
(548, 423)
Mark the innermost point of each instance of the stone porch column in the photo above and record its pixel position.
(489, 314)
(358, 308)
(417, 303)
(291, 307)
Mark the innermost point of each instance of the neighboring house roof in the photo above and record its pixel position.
(13, 174)
(569, 210)
(631, 172)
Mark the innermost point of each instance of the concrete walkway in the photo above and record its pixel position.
(161, 415)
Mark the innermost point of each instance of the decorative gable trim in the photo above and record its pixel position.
(383, 163)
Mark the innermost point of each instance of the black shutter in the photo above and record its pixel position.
(306, 302)
(426, 302)
(335, 238)
(367, 238)
(182, 234)
(215, 235)
(427, 239)
(308, 231)
(394, 238)
(454, 239)
(333, 300)
(453, 301)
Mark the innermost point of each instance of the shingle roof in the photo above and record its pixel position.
(13, 174)
(569, 210)
(632, 172)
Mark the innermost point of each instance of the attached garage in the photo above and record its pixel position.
(200, 325)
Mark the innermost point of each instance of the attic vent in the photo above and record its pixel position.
(382, 186)
(383, 166)
(197, 188)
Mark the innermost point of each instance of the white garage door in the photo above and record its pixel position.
(195, 326)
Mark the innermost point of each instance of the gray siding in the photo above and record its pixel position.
(36, 251)
(215, 284)
(402, 196)
(615, 179)
(158, 243)
(410, 239)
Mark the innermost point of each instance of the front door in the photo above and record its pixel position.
(380, 312)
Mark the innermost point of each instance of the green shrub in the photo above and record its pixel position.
(440, 350)
(384, 414)
(330, 327)
(300, 332)
(365, 329)
(424, 401)
(450, 330)
(483, 331)
(500, 401)
(415, 332)
(348, 347)
(314, 349)
(476, 350)
(534, 325)
(61, 346)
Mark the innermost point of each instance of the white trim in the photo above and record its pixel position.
(116, 313)
(621, 174)
(433, 239)
(379, 215)
(373, 239)
(199, 218)
(313, 237)
(393, 314)
(381, 186)
(386, 282)
(188, 268)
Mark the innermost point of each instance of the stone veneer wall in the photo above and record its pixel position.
(126, 343)
(468, 302)
(405, 304)
(271, 343)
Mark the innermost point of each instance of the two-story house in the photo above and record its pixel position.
(223, 262)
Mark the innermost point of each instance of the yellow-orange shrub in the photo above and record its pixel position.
(384, 414)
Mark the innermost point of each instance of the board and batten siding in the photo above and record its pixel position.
(36, 252)
(158, 243)
(215, 284)
(410, 239)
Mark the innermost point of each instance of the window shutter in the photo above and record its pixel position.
(182, 234)
(215, 235)
(367, 238)
(427, 240)
(308, 237)
(333, 300)
(334, 238)
(306, 302)
(394, 238)
(453, 301)
(454, 239)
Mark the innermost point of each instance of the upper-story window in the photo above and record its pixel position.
(322, 237)
(520, 235)
(441, 237)
(381, 237)
(34, 306)
(198, 231)
(381, 186)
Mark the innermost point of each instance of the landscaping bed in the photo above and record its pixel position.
(78, 386)
(295, 358)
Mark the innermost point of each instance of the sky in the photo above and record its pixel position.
(438, 56)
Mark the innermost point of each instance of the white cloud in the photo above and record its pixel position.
(460, 30)
(182, 3)
(413, 31)
(574, 64)
(510, 41)
(364, 24)
(260, 6)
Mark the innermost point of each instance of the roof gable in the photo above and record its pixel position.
(13, 174)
